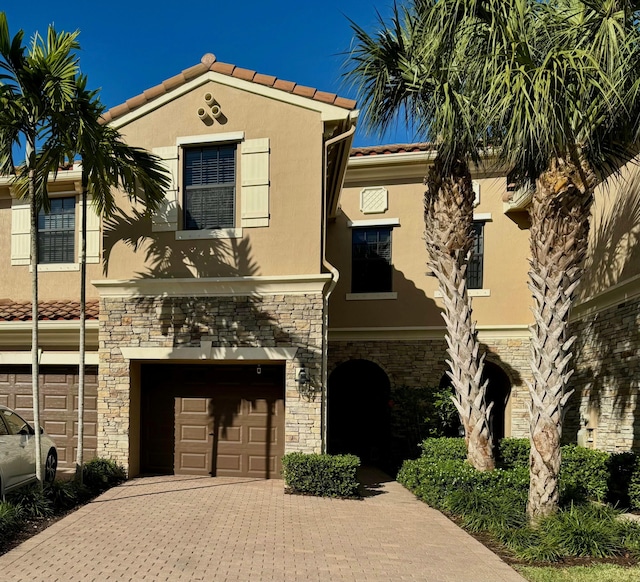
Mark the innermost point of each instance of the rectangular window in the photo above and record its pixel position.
(57, 232)
(209, 187)
(371, 260)
(476, 261)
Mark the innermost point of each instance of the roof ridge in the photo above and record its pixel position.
(210, 63)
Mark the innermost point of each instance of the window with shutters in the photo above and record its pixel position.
(371, 270)
(476, 260)
(57, 233)
(209, 187)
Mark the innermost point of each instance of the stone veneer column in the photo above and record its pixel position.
(279, 321)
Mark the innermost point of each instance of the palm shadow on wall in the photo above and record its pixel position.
(233, 321)
(606, 380)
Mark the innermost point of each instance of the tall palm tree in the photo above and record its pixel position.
(412, 68)
(35, 84)
(564, 80)
(108, 163)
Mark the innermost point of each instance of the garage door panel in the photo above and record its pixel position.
(194, 433)
(90, 428)
(229, 465)
(242, 409)
(59, 387)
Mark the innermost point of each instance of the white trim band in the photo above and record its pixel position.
(48, 358)
(374, 222)
(206, 352)
(211, 287)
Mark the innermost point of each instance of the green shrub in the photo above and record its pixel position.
(433, 480)
(322, 475)
(32, 502)
(634, 486)
(66, 494)
(444, 448)
(514, 453)
(585, 530)
(101, 474)
(583, 474)
(10, 519)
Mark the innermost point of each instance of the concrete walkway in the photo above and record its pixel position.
(202, 528)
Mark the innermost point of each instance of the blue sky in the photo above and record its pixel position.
(128, 47)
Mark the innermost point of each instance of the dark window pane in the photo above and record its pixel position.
(209, 178)
(476, 261)
(371, 270)
(56, 232)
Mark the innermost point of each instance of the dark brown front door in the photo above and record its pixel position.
(213, 420)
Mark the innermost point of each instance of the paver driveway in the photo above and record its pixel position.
(203, 528)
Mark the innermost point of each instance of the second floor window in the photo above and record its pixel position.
(476, 261)
(209, 187)
(57, 232)
(371, 270)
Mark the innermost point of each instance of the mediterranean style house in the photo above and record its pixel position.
(279, 297)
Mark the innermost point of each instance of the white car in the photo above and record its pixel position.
(17, 452)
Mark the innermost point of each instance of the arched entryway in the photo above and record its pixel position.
(359, 420)
(498, 392)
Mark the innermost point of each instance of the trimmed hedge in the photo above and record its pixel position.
(583, 474)
(634, 485)
(513, 453)
(321, 475)
(101, 474)
(444, 448)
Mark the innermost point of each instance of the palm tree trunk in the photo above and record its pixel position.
(448, 219)
(559, 229)
(82, 346)
(35, 352)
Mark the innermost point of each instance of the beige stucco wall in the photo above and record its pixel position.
(291, 242)
(505, 263)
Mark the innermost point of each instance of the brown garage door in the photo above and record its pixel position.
(58, 405)
(213, 420)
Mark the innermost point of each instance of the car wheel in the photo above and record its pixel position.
(50, 466)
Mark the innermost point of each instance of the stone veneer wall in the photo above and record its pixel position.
(607, 379)
(423, 363)
(175, 322)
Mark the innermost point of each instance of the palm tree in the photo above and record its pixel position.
(564, 81)
(34, 85)
(412, 68)
(108, 163)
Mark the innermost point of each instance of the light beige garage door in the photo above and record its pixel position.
(58, 405)
(213, 420)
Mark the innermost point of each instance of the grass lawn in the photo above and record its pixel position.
(597, 573)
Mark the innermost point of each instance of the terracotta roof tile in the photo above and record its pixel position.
(209, 63)
(283, 85)
(397, 148)
(245, 74)
(48, 310)
(325, 97)
(195, 71)
(224, 68)
(154, 92)
(267, 80)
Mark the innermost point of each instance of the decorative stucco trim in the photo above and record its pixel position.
(373, 222)
(371, 296)
(58, 333)
(206, 352)
(423, 333)
(48, 358)
(327, 112)
(187, 140)
(209, 233)
(209, 287)
(629, 289)
(472, 293)
(482, 216)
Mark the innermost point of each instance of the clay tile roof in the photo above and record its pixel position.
(397, 148)
(209, 63)
(49, 310)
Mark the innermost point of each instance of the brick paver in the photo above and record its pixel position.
(201, 528)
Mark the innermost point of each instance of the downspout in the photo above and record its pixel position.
(335, 275)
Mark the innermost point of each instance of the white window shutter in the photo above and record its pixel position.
(20, 232)
(93, 233)
(166, 217)
(254, 166)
